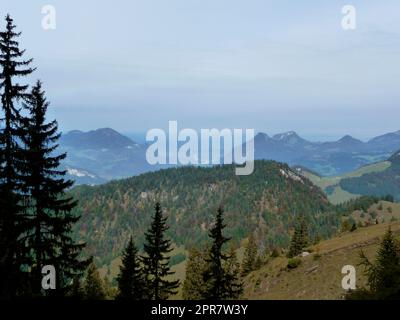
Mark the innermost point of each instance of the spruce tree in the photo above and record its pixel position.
(250, 256)
(304, 239)
(294, 245)
(156, 259)
(232, 276)
(194, 286)
(220, 284)
(383, 275)
(49, 219)
(12, 66)
(385, 281)
(300, 238)
(93, 285)
(130, 280)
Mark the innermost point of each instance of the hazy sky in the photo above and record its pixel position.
(270, 65)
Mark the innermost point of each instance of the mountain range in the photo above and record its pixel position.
(326, 158)
(104, 154)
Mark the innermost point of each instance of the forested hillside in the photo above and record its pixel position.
(377, 183)
(266, 203)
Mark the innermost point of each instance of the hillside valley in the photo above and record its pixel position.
(265, 203)
(376, 179)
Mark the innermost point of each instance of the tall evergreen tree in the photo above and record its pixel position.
(384, 274)
(295, 248)
(194, 286)
(220, 283)
(250, 256)
(93, 285)
(131, 284)
(232, 276)
(11, 207)
(109, 290)
(300, 238)
(156, 259)
(49, 216)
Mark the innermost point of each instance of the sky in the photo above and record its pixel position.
(273, 66)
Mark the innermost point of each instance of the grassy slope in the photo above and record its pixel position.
(319, 276)
(384, 211)
(339, 195)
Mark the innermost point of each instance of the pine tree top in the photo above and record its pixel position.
(9, 48)
(216, 230)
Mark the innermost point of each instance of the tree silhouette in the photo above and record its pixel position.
(93, 285)
(156, 259)
(383, 275)
(220, 282)
(49, 218)
(11, 207)
(131, 284)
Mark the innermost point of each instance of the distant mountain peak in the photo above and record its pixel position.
(261, 136)
(107, 131)
(290, 137)
(349, 139)
(99, 139)
(285, 135)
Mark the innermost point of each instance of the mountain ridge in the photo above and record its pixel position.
(266, 202)
(111, 155)
(327, 158)
(102, 138)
